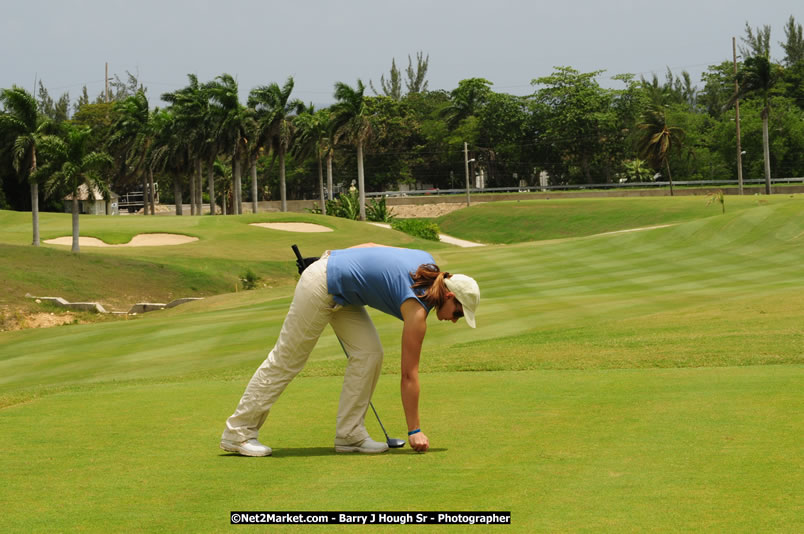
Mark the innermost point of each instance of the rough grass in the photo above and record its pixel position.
(86, 277)
(120, 277)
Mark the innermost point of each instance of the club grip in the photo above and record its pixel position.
(298, 254)
(302, 263)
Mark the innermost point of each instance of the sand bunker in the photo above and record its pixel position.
(141, 240)
(294, 227)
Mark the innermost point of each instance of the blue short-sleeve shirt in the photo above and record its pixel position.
(379, 277)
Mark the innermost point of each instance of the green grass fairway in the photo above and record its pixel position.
(557, 218)
(618, 450)
(629, 382)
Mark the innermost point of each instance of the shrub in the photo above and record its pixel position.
(377, 211)
(347, 206)
(423, 228)
(717, 197)
(249, 279)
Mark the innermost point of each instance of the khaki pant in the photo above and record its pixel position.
(310, 312)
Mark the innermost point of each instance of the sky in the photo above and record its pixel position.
(509, 42)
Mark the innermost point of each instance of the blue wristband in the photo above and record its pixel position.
(414, 431)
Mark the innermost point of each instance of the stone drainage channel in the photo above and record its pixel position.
(141, 307)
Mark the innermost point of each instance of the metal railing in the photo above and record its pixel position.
(134, 198)
(539, 188)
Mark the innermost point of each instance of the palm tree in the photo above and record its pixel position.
(191, 108)
(253, 150)
(311, 130)
(274, 108)
(466, 100)
(635, 170)
(329, 148)
(259, 133)
(69, 165)
(24, 128)
(223, 171)
(351, 121)
(133, 134)
(170, 152)
(658, 139)
(228, 126)
(758, 76)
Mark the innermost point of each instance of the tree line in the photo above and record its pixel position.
(205, 145)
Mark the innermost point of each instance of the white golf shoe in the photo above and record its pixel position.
(367, 446)
(250, 447)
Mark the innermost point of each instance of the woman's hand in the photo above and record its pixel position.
(414, 316)
(419, 442)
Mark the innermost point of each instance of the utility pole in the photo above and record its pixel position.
(737, 118)
(107, 82)
(466, 164)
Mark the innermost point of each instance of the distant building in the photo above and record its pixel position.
(93, 204)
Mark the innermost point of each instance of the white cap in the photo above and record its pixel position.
(468, 294)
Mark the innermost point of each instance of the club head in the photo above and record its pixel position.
(396, 443)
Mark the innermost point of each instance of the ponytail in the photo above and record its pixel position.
(429, 278)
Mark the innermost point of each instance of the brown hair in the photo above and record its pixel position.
(430, 278)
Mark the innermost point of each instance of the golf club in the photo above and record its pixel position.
(302, 264)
